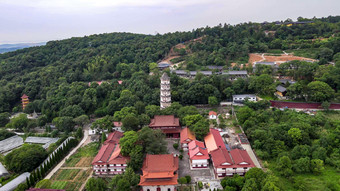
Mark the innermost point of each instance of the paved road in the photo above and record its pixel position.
(61, 163)
(251, 154)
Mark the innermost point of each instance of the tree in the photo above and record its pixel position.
(102, 124)
(262, 84)
(284, 166)
(228, 92)
(182, 180)
(317, 166)
(81, 120)
(130, 122)
(79, 133)
(96, 184)
(123, 185)
(201, 128)
(295, 134)
(25, 158)
(320, 91)
(302, 165)
(325, 105)
(120, 115)
(190, 120)
(212, 100)
(64, 123)
(4, 119)
(152, 110)
(19, 122)
(103, 139)
(326, 53)
(128, 142)
(250, 185)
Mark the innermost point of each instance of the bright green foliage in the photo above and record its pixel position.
(120, 115)
(96, 184)
(284, 166)
(190, 120)
(19, 122)
(64, 123)
(130, 122)
(320, 91)
(25, 158)
(212, 100)
(104, 123)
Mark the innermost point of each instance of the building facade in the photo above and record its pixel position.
(242, 97)
(160, 173)
(109, 160)
(169, 125)
(165, 94)
(198, 155)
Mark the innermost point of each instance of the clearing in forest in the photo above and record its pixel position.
(279, 59)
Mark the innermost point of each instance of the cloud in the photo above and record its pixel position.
(76, 5)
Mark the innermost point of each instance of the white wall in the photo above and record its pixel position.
(163, 188)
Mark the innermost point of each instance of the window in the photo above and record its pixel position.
(169, 189)
(148, 190)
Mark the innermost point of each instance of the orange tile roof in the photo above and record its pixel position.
(117, 158)
(159, 170)
(164, 121)
(197, 151)
(212, 113)
(187, 135)
(213, 140)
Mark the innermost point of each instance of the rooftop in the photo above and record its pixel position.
(10, 143)
(234, 72)
(12, 185)
(165, 76)
(220, 157)
(281, 88)
(197, 151)
(244, 95)
(3, 171)
(212, 113)
(187, 135)
(164, 121)
(213, 140)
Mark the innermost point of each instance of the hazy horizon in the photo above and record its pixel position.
(28, 21)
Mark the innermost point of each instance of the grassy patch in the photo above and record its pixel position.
(59, 184)
(308, 53)
(66, 174)
(85, 153)
(267, 97)
(332, 115)
(275, 51)
(309, 181)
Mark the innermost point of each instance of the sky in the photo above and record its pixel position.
(24, 21)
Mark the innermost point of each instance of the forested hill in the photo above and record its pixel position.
(48, 73)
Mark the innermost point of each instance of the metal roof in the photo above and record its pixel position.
(281, 88)
(215, 67)
(12, 185)
(10, 143)
(266, 63)
(163, 65)
(284, 81)
(3, 171)
(207, 73)
(235, 72)
(47, 141)
(180, 72)
(244, 95)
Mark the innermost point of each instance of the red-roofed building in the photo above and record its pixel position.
(228, 163)
(159, 173)
(168, 124)
(213, 140)
(186, 137)
(109, 160)
(198, 155)
(212, 115)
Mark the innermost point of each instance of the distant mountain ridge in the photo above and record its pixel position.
(12, 47)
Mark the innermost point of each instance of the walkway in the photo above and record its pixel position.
(83, 142)
(251, 154)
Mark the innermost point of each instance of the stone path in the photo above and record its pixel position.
(83, 142)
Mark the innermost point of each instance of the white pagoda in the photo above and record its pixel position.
(165, 91)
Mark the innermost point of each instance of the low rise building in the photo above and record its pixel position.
(281, 92)
(228, 163)
(198, 155)
(169, 125)
(242, 97)
(212, 115)
(159, 173)
(213, 140)
(233, 75)
(109, 160)
(186, 137)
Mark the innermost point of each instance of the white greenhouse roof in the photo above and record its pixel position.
(10, 143)
(12, 185)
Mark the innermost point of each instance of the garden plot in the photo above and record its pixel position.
(69, 179)
(83, 157)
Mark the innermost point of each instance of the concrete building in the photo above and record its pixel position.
(165, 94)
(234, 75)
(242, 97)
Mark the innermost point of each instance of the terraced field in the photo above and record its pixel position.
(83, 157)
(69, 179)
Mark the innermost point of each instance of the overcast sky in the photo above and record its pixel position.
(44, 20)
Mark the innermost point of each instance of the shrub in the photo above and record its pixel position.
(180, 157)
(200, 185)
(188, 179)
(175, 146)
